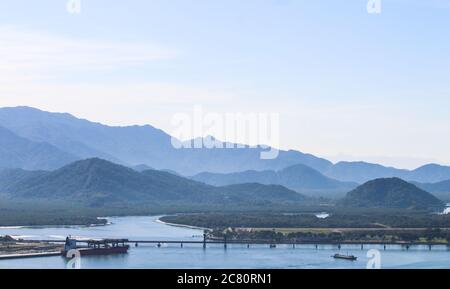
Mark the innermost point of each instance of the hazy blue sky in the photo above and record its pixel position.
(347, 84)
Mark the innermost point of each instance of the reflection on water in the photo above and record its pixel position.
(215, 256)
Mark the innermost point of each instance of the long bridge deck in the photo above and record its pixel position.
(255, 242)
(204, 243)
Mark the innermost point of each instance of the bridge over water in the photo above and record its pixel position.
(272, 244)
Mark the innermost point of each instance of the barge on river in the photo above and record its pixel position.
(345, 257)
(95, 247)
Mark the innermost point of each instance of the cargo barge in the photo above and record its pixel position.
(345, 257)
(95, 247)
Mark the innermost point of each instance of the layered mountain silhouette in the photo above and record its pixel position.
(300, 178)
(362, 172)
(10, 178)
(19, 152)
(439, 189)
(37, 140)
(99, 182)
(431, 173)
(136, 145)
(391, 193)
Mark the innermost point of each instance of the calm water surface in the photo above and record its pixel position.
(215, 256)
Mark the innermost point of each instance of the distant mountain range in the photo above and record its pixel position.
(137, 145)
(300, 178)
(97, 182)
(391, 193)
(19, 152)
(440, 187)
(361, 172)
(37, 140)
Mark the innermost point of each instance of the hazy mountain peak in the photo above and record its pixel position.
(430, 166)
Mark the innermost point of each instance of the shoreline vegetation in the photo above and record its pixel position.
(387, 228)
(382, 227)
(280, 224)
(26, 213)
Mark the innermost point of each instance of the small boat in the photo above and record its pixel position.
(345, 257)
(96, 247)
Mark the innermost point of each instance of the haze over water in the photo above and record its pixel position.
(215, 256)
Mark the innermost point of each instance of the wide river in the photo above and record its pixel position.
(215, 256)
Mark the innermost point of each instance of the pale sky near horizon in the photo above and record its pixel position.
(348, 85)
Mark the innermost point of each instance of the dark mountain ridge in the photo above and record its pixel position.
(99, 182)
(299, 177)
(391, 193)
